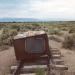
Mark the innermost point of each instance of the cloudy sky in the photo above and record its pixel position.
(40, 9)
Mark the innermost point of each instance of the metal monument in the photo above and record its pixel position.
(32, 47)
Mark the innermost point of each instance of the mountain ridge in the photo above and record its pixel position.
(20, 20)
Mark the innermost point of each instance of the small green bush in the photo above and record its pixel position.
(40, 71)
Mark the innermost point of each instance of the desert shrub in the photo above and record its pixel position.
(69, 41)
(72, 30)
(17, 27)
(64, 28)
(5, 30)
(13, 32)
(40, 71)
(10, 42)
(35, 24)
(55, 38)
(4, 47)
(26, 27)
(2, 26)
(56, 32)
(4, 36)
(6, 42)
(1, 42)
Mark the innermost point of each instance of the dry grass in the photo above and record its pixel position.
(69, 41)
(8, 30)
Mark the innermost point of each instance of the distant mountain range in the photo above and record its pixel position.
(32, 20)
(19, 20)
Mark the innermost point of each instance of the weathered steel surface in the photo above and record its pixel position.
(21, 46)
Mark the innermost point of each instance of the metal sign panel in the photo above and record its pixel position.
(35, 45)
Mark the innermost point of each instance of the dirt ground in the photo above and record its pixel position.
(7, 58)
(68, 55)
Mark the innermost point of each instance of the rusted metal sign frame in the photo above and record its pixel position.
(23, 56)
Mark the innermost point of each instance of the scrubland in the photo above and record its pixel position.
(61, 35)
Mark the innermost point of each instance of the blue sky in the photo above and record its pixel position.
(40, 9)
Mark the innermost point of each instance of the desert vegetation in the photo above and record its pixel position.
(61, 36)
(69, 41)
(9, 30)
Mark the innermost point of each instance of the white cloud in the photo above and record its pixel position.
(44, 9)
(55, 8)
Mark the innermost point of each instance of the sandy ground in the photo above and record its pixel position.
(7, 58)
(68, 55)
